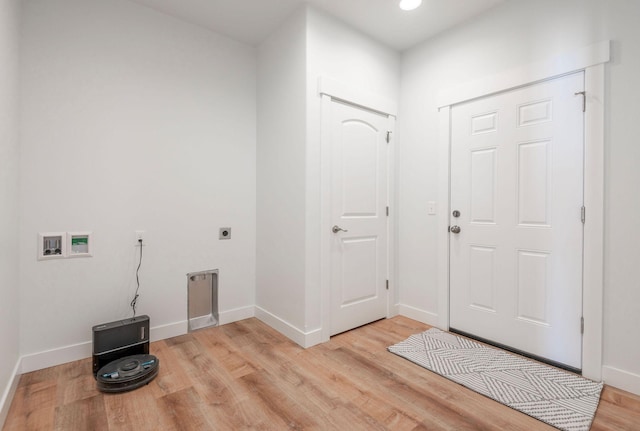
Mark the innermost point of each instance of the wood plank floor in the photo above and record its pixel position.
(246, 376)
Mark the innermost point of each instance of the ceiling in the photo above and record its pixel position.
(251, 21)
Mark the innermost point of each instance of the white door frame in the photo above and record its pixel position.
(330, 90)
(591, 60)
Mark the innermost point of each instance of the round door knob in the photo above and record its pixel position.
(336, 229)
(455, 229)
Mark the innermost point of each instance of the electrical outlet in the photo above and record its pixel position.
(140, 235)
(225, 233)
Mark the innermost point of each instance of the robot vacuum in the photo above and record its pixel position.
(127, 373)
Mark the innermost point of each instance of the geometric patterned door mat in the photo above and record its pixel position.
(557, 397)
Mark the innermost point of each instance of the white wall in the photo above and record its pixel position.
(9, 294)
(342, 54)
(518, 33)
(281, 176)
(132, 120)
(309, 45)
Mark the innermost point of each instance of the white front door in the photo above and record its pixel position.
(359, 199)
(517, 182)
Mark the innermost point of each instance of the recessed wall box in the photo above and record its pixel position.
(79, 244)
(52, 245)
(202, 297)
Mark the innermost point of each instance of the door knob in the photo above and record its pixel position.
(336, 229)
(455, 229)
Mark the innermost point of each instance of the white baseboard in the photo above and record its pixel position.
(304, 339)
(62, 355)
(420, 315)
(621, 379)
(312, 338)
(75, 352)
(182, 327)
(168, 330)
(53, 357)
(394, 310)
(8, 393)
(236, 314)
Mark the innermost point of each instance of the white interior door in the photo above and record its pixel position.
(517, 182)
(359, 196)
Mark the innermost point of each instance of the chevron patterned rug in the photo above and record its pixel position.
(554, 396)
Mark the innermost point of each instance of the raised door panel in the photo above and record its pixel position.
(359, 255)
(517, 177)
(360, 169)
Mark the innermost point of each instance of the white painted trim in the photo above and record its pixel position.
(8, 393)
(53, 357)
(325, 217)
(304, 339)
(592, 59)
(593, 270)
(392, 293)
(356, 96)
(621, 379)
(420, 315)
(444, 201)
(169, 330)
(568, 62)
(75, 352)
(236, 314)
(394, 310)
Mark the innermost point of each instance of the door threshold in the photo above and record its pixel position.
(518, 352)
(358, 327)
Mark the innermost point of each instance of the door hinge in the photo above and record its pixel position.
(583, 214)
(582, 325)
(584, 99)
(387, 284)
(387, 211)
(388, 136)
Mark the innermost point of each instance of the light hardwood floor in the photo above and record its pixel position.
(245, 376)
